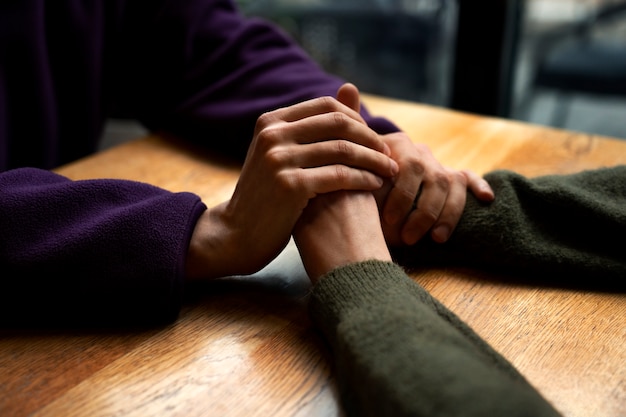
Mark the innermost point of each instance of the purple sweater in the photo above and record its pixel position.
(194, 68)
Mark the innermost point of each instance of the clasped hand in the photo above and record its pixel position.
(298, 152)
(425, 196)
(315, 148)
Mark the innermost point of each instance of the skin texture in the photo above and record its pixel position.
(317, 147)
(337, 229)
(294, 156)
(442, 191)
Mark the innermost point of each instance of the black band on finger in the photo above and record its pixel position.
(417, 197)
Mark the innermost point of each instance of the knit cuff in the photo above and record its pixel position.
(354, 286)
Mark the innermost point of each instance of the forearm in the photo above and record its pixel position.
(101, 250)
(562, 228)
(400, 352)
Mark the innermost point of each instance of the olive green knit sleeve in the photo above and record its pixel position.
(399, 352)
(566, 228)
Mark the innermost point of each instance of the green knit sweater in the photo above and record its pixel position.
(565, 230)
(399, 352)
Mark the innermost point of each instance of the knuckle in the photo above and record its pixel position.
(265, 119)
(458, 177)
(341, 174)
(442, 181)
(340, 120)
(269, 137)
(277, 158)
(344, 150)
(417, 167)
(326, 102)
(288, 181)
(413, 163)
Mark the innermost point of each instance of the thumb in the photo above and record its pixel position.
(348, 95)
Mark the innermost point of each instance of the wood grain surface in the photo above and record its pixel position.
(244, 346)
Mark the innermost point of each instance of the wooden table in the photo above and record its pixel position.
(245, 346)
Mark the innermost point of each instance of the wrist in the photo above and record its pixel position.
(337, 230)
(210, 252)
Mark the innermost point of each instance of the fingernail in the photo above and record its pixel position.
(488, 191)
(441, 233)
(395, 168)
(386, 149)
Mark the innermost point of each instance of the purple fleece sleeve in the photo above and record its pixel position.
(204, 71)
(92, 251)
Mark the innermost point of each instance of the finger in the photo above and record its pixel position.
(452, 209)
(399, 202)
(381, 194)
(316, 106)
(348, 94)
(328, 126)
(479, 186)
(429, 207)
(329, 178)
(335, 152)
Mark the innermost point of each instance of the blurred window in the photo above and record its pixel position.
(571, 70)
(401, 49)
